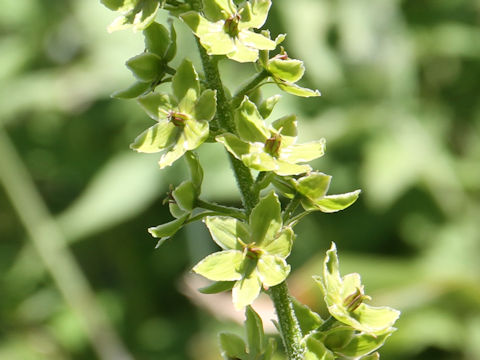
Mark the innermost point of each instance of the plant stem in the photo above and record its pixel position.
(289, 327)
(225, 120)
(225, 210)
(292, 205)
(251, 85)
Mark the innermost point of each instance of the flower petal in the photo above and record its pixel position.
(243, 53)
(221, 266)
(272, 269)
(254, 14)
(303, 152)
(246, 291)
(155, 138)
(226, 230)
(265, 220)
(249, 122)
(255, 40)
(281, 245)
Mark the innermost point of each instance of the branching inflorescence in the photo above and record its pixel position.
(256, 240)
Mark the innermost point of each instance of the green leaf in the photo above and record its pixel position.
(156, 105)
(221, 266)
(281, 245)
(145, 67)
(234, 145)
(265, 220)
(316, 350)
(155, 138)
(255, 14)
(176, 211)
(157, 39)
(246, 291)
(138, 18)
(266, 107)
(205, 107)
(249, 123)
(270, 349)
(195, 168)
(307, 319)
(297, 90)
(185, 195)
(272, 269)
(226, 230)
(338, 337)
(286, 125)
(217, 287)
(216, 10)
(363, 344)
(167, 230)
(313, 186)
(185, 78)
(255, 335)
(136, 89)
(172, 48)
(232, 346)
(333, 203)
(289, 70)
(304, 152)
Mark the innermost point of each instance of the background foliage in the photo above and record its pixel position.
(400, 112)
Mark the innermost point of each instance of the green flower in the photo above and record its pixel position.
(313, 190)
(136, 14)
(345, 300)
(181, 201)
(253, 254)
(269, 148)
(150, 68)
(182, 119)
(284, 71)
(225, 29)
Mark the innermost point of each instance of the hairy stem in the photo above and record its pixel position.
(225, 121)
(289, 327)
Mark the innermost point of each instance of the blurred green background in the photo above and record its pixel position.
(400, 110)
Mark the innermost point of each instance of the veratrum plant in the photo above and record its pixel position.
(269, 165)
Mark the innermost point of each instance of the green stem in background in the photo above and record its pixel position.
(250, 86)
(50, 244)
(224, 210)
(225, 120)
(289, 327)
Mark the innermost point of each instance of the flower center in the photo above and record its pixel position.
(178, 119)
(231, 25)
(353, 301)
(272, 145)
